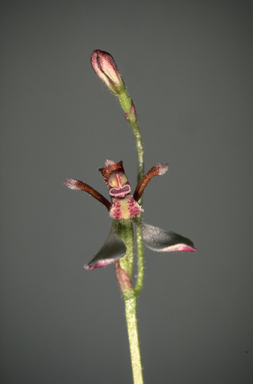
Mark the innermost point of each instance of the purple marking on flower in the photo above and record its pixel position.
(120, 193)
(118, 185)
(126, 208)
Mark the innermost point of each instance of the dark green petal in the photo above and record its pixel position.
(112, 250)
(160, 240)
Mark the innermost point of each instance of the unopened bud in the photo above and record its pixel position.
(106, 68)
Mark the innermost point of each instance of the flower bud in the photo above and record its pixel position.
(106, 68)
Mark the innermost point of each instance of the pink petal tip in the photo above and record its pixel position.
(163, 168)
(71, 183)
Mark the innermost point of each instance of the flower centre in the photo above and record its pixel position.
(118, 185)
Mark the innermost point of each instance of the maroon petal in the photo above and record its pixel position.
(160, 240)
(158, 170)
(112, 250)
(78, 184)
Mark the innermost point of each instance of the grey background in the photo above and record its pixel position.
(188, 68)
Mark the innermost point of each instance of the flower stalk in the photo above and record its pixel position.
(130, 298)
(133, 337)
(106, 68)
(125, 209)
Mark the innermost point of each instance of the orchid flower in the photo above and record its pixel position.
(124, 206)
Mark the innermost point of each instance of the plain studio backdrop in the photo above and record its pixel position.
(188, 67)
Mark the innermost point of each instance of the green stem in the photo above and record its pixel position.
(140, 262)
(126, 233)
(124, 267)
(128, 107)
(123, 273)
(130, 309)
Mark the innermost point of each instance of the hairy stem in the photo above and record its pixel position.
(140, 262)
(123, 272)
(126, 233)
(130, 309)
(128, 107)
(106, 68)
